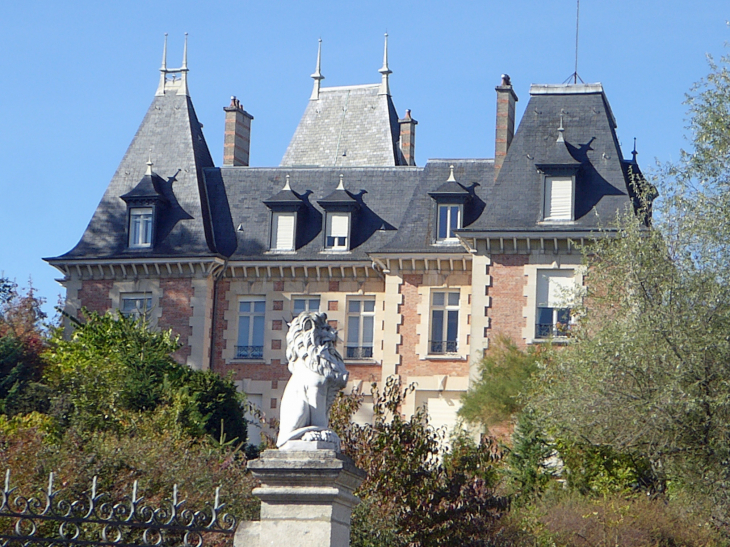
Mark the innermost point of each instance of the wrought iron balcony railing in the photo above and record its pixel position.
(355, 352)
(442, 346)
(249, 352)
(549, 330)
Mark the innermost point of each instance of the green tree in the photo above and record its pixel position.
(115, 369)
(648, 371)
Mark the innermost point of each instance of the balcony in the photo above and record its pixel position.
(440, 347)
(354, 352)
(249, 352)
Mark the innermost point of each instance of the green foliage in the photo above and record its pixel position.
(114, 368)
(417, 493)
(504, 373)
(528, 462)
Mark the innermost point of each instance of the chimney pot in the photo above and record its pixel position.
(408, 139)
(505, 126)
(237, 135)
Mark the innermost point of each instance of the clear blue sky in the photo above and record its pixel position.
(76, 79)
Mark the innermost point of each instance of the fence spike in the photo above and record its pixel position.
(93, 488)
(50, 484)
(134, 492)
(7, 480)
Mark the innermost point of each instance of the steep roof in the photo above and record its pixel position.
(350, 126)
(171, 136)
(590, 145)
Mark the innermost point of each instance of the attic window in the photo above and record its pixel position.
(283, 231)
(559, 198)
(449, 219)
(338, 231)
(140, 227)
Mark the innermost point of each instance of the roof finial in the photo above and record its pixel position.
(184, 69)
(317, 73)
(385, 71)
(286, 186)
(185, 53)
(163, 69)
(451, 175)
(634, 152)
(341, 185)
(561, 129)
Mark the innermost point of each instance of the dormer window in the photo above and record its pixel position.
(283, 231)
(558, 198)
(340, 208)
(285, 207)
(450, 198)
(449, 219)
(144, 204)
(338, 231)
(140, 227)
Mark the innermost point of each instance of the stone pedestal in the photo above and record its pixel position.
(306, 499)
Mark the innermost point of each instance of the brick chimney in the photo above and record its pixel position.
(506, 100)
(408, 138)
(237, 135)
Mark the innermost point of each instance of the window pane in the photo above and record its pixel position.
(545, 316)
(369, 305)
(314, 305)
(367, 330)
(244, 306)
(353, 330)
(437, 325)
(259, 306)
(563, 316)
(258, 331)
(353, 306)
(243, 324)
(453, 325)
(299, 306)
(454, 220)
(453, 299)
(443, 222)
(438, 299)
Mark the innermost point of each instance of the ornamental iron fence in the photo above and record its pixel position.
(53, 520)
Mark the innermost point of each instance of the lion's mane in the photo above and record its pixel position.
(311, 341)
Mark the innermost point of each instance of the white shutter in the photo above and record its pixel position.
(559, 198)
(442, 411)
(555, 288)
(284, 231)
(339, 225)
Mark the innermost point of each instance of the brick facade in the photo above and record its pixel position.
(94, 294)
(507, 297)
(175, 304)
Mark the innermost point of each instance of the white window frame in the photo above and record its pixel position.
(246, 344)
(288, 244)
(549, 206)
(449, 236)
(554, 301)
(335, 243)
(360, 327)
(142, 305)
(141, 227)
(308, 303)
(444, 342)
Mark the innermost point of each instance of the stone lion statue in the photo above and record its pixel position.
(318, 373)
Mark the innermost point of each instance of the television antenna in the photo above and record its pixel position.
(575, 77)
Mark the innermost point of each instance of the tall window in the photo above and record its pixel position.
(449, 219)
(283, 231)
(338, 231)
(558, 198)
(137, 305)
(555, 291)
(305, 304)
(444, 322)
(140, 227)
(251, 312)
(360, 322)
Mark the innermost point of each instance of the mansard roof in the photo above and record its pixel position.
(590, 140)
(172, 137)
(349, 126)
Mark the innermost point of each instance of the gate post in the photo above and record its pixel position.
(306, 499)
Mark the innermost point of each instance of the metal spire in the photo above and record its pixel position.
(181, 84)
(184, 69)
(149, 163)
(451, 174)
(634, 152)
(317, 76)
(341, 185)
(385, 71)
(163, 69)
(286, 186)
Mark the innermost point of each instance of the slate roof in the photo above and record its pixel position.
(171, 136)
(590, 139)
(227, 211)
(350, 126)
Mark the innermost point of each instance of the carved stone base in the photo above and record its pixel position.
(306, 499)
